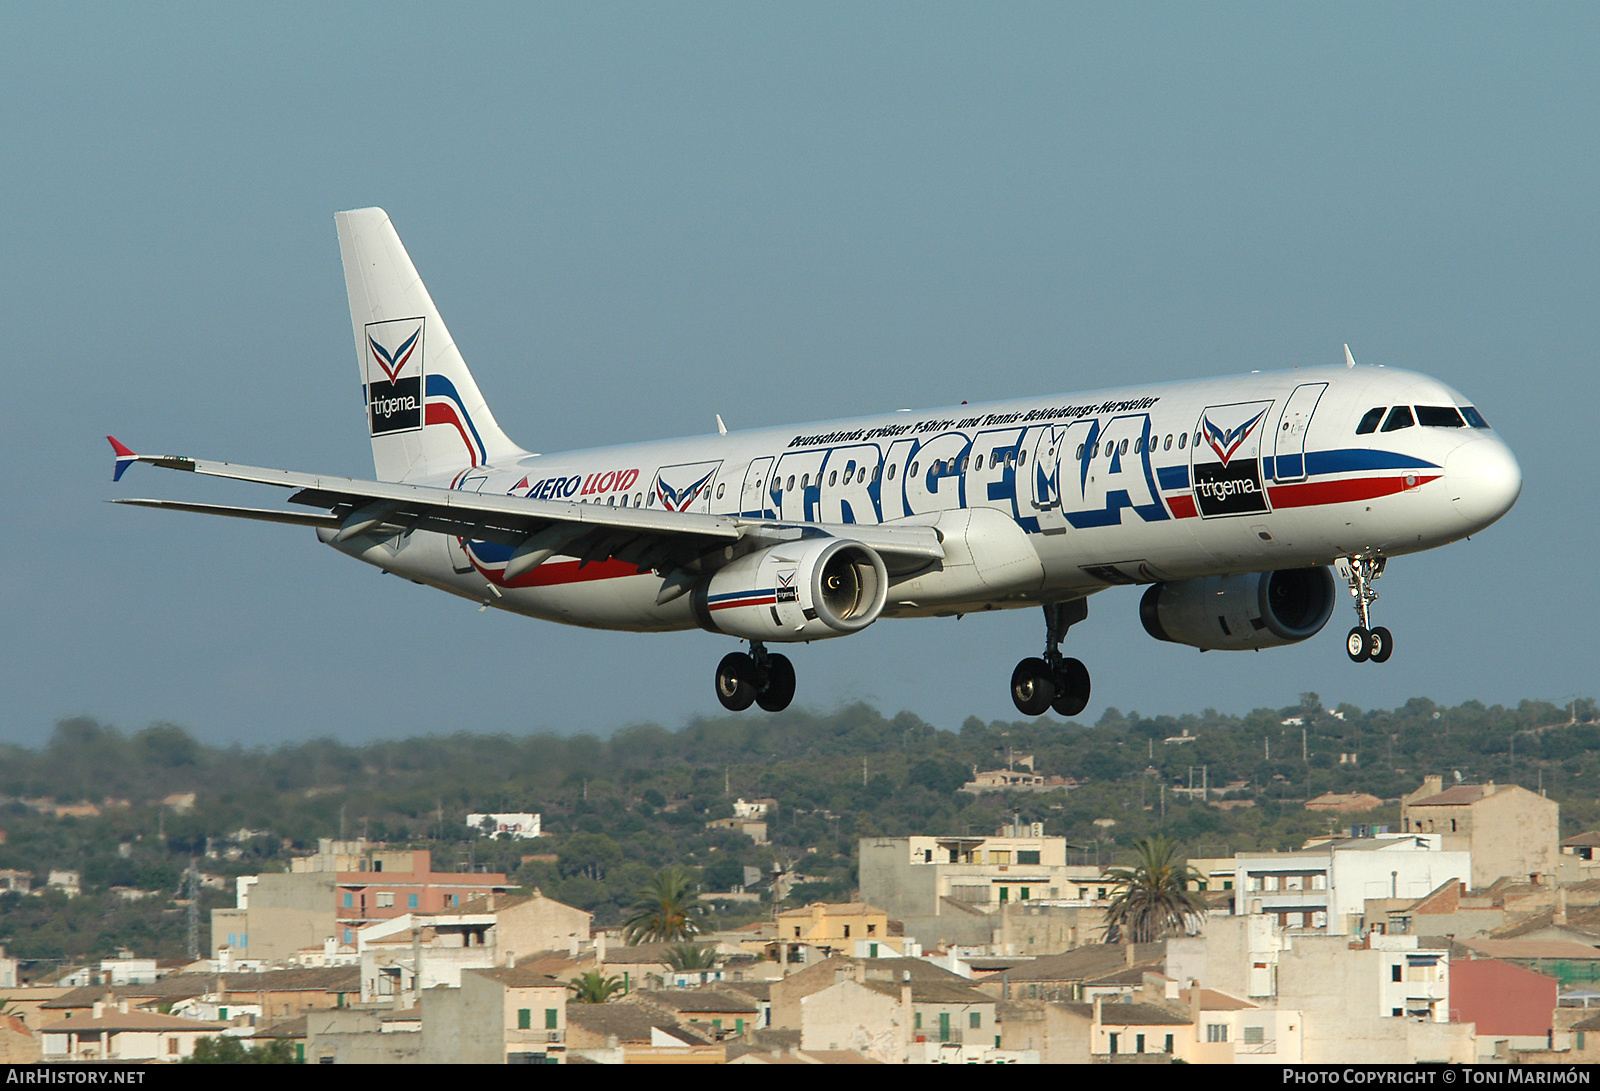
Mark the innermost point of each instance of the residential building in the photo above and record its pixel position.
(1344, 802)
(628, 1032)
(754, 829)
(1510, 1006)
(1574, 965)
(512, 1017)
(1448, 910)
(1063, 976)
(834, 927)
(1508, 830)
(756, 809)
(946, 890)
(887, 1020)
(518, 826)
(492, 931)
(1384, 1002)
(789, 991)
(1072, 1033)
(1327, 886)
(115, 1033)
(1228, 1030)
(334, 893)
(717, 1013)
(18, 1044)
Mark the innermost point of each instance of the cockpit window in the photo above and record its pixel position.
(1474, 417)
(1399, 417)
(1369, 422)
(1439, 416)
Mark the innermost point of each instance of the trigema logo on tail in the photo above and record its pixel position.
(1227, 460)
(393, 374)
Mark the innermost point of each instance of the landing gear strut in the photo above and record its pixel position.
(1053, 681)
(1365, 642)
(760, 677)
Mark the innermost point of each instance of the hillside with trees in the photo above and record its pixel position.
(620, 809)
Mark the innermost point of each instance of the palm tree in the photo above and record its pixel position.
(594, 987)
(665, 909)
(1155, 898)
(689, 956)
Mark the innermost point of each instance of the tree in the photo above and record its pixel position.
(689, 956)
(665, 909)
(1155, 898)
(594, 987)
(229, 1050)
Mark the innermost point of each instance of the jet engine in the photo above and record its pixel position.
(809, 589)
(1232, 613)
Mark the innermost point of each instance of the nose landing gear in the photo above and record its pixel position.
(761, 678)
(1054, 681)
(1364, 642)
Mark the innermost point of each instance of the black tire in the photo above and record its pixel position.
(1358, 645)
(1072, 686)
(1380, 645)
(779, 690)
(1031, 687)
(736, 681)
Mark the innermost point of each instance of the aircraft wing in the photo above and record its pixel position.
(536, 529)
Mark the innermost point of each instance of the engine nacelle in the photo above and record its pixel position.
(810, 589)
(1257, 610)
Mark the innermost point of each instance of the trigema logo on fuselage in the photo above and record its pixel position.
(1227, 460)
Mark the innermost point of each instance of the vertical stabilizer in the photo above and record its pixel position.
(424, 412)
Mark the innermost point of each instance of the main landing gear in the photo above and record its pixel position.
(1053, 681)
(766, 679)
(1365, 642)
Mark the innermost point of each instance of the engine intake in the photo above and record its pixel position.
(1232, 613)
(810, 589)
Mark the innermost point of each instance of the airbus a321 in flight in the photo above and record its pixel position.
(1229, 498)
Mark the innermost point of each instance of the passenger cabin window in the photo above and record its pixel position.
(1439, 416)
(1474, 417)
(1399, 417)
(1369, 422)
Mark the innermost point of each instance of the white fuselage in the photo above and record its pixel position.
(1036, 500)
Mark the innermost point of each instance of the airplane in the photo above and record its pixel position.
(1229, 499)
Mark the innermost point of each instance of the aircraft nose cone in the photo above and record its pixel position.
(1484, 480)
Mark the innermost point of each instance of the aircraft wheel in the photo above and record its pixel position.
(779, 690)
(736, 681)
(1380, 644)
(1358, 644)
(1031, 687)
(1072, 688)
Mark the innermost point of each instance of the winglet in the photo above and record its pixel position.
(125, 458)
(1349, 361)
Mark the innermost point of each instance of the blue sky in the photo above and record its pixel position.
(634, 217)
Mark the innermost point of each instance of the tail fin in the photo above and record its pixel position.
(424, 412)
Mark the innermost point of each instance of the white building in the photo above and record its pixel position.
(520, 826)
(1328, 886)
(116, 1034)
